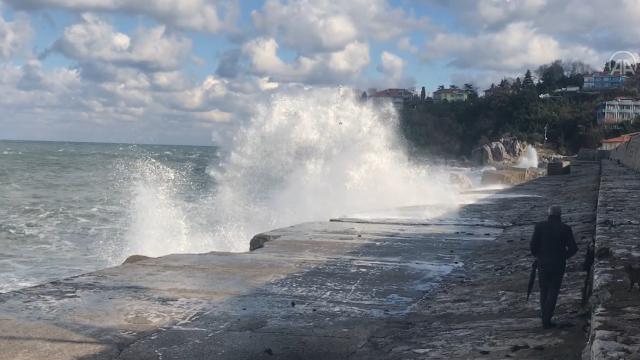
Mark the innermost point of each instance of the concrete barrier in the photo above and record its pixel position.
(588, 154)
(510, 175)
(628, 154)
(592, 154)
(559, 168)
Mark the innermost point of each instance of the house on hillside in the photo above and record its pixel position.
(497, 90)
(610, 144)
(612, 113)
(396, 96)
(604, 81)
(566, 90)
(451, 94)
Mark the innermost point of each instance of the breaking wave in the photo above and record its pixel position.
(304, 156)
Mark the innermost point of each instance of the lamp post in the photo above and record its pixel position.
(546, 126)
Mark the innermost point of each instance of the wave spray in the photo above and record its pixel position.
(310, 155)
(529, 159)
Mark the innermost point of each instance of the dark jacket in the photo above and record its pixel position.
(552, 242)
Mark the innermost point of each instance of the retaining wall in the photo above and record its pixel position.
(628, 153)
(614, 331)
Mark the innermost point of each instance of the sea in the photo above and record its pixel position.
(68, 208)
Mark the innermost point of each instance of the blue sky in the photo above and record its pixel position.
(181, 71)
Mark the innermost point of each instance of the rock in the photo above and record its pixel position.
(498, 152)
(268, 351)
(514, 147)
(259, 240)
(506, 150)
(482, 155)
(461, 181)
(135, 258)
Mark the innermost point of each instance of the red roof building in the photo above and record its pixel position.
(610, 144)
(397, 96)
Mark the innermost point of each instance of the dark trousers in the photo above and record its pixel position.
(550, 279)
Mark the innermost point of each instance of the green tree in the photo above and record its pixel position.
(527, 83)
(551, 76)
(423, 94)
(517, 84)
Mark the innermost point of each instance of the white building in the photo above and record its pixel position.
(613, 112)
(397, 96)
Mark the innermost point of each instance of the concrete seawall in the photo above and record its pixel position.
(614, 331)
(628, 154)
(452, 287)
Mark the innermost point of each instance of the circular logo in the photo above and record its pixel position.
(623, 63)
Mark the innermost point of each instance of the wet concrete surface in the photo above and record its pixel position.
(481, 310)
(345, 289)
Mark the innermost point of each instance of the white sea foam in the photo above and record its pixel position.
(306, 156)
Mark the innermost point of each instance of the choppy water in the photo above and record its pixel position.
(66, 208)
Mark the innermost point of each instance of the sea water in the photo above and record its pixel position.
(67, 208)
(70, 208)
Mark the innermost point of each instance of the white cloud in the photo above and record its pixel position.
(496, 11)
(405, 44)
(351, 60)
(14, 35)
(391, 65)
(603, 25)
(324, 25)
(515, 47)
(199, 15)
(126, 105)
(96, 40)
(392, 68)
(341, 65)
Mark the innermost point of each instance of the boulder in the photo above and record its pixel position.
(507, 150)
(498, 152)
(514, 147)
(461, 181)
(135, 258)
(482, 155)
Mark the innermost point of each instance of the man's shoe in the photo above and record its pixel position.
(549, 325)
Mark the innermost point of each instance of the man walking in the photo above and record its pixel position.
(552, 244)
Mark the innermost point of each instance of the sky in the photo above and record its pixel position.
(189, 71)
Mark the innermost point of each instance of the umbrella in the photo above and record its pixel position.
(532, 278)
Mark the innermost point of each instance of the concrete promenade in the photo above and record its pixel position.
(481, 311)
(450, 288)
